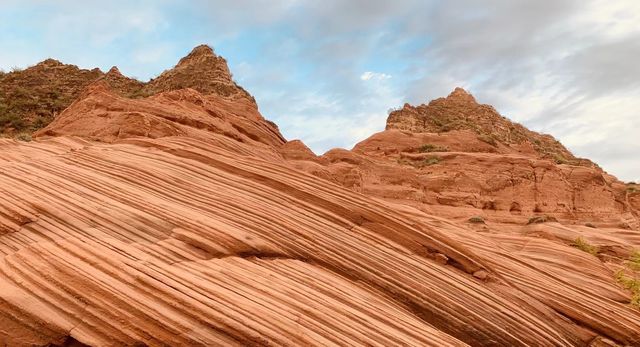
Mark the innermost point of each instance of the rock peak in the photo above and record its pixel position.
(114, 71)
(198, 54)
(201, 70)
(461, 94)
(202, 49)
(50, 62)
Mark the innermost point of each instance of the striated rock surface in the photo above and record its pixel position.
(105, 116)
(185, 218)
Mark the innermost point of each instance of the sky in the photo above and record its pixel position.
(328, 71)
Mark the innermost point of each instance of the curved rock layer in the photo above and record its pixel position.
(102, 115)
(186, 219)
(178, 241)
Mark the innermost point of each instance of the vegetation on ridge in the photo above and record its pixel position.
(428, 147)
(627, 277)
(582, 244)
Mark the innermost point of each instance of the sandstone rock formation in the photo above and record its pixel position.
(436, 156)
(201, 70)
(185, 218)
(31, 98)
(460, 111)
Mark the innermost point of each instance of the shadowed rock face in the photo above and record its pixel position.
(185, 218)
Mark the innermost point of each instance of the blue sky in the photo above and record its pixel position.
(327, 71)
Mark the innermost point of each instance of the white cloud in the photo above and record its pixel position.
(322, 70)
(368, 75)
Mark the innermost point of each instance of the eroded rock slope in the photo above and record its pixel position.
(185, 218)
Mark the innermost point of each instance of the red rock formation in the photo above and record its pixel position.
(460, 111)
(31, 98)
(185, 218)
(201, 70)
(104, 116)
(510, 178)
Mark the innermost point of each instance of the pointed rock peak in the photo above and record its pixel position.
(114, 71)
(198, 54)
(461, 94)
(50, 62)
(202, 50)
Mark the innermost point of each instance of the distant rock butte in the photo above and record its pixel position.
(174, 213)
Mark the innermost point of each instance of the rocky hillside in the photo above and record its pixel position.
(509, 177)
(185, 218)
(31, 98)
(460, 111)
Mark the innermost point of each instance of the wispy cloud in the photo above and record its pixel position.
(327, 71)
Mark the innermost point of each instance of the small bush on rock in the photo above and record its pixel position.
(426, 148)
(476, 220)
(23, 137)
(585, 246)
(541, 219)
(631, 284)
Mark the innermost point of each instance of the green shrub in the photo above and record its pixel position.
(634, 261)
(560, 159)
(541, 219)
(139, 94)
(585, 246)
(23, 137)
(41, 122)
(419, 164)
(476, 220)
(488, 139)
(426, 148)
(431, 161)
(631, 284)
(12, 120)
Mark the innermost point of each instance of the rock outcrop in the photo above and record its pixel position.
(201, 70)
(30, 99)
(512, 177)
(102, 115)
(185, 218)
(460, 111)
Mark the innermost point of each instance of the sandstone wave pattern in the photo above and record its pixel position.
(184, 218)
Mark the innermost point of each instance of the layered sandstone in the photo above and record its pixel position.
(185, 218)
